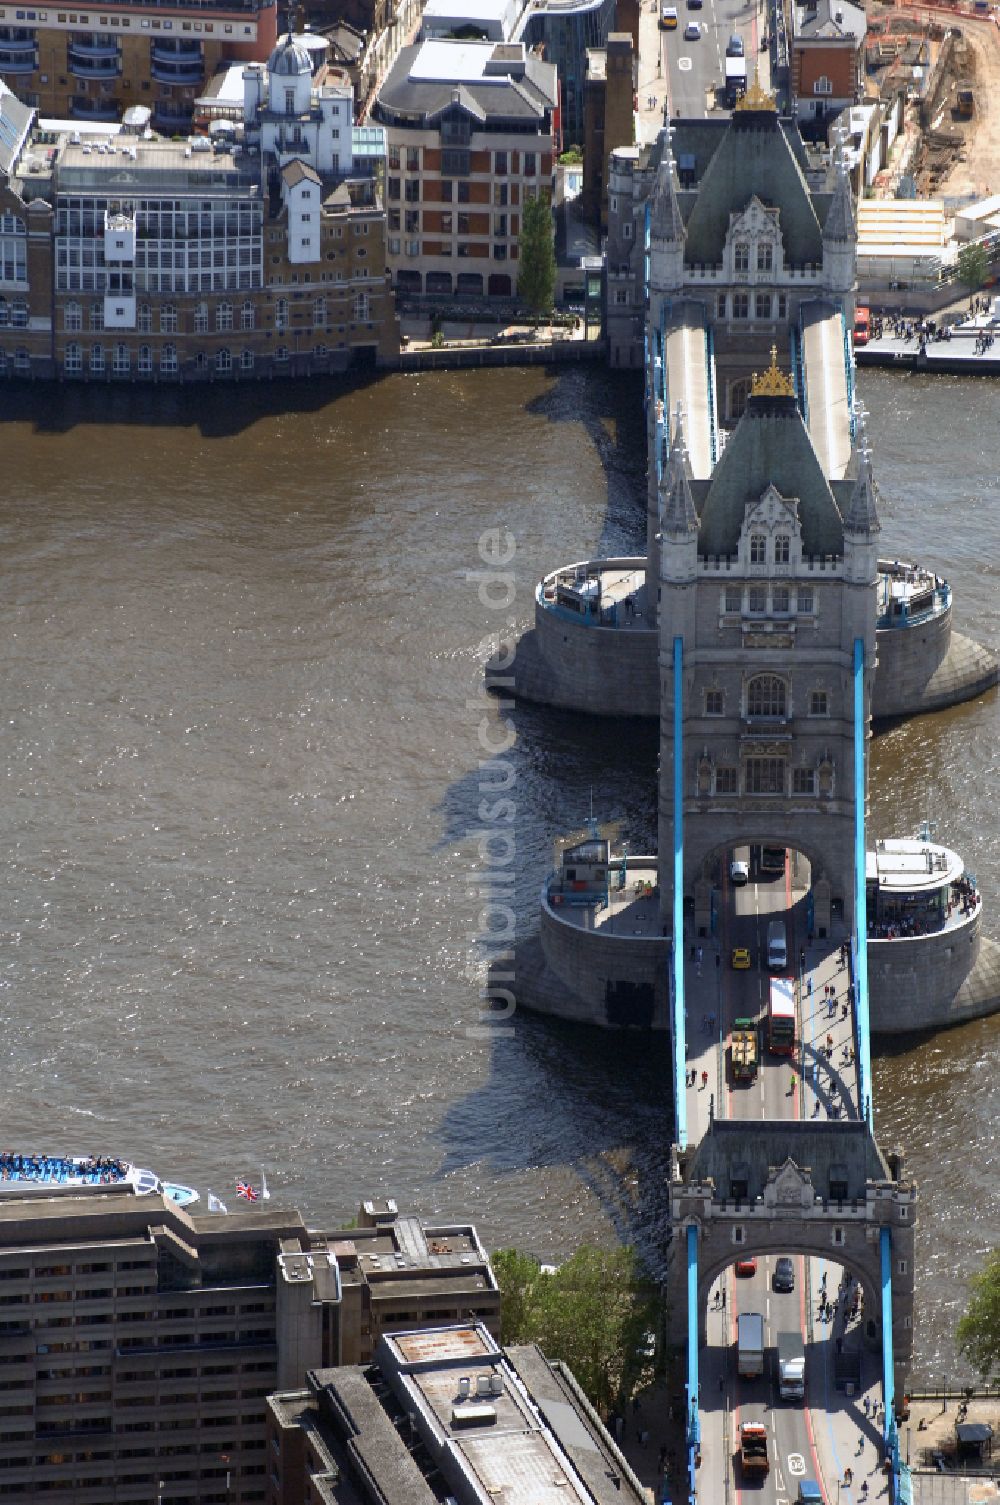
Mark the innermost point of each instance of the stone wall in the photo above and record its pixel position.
(932, 981)
(927, 668)
(617, 980)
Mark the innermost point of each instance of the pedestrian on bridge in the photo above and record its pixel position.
(791, 1089)
(704, 1079)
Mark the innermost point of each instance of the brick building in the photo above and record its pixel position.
(93, 64)
(826, 62)
(471, 130)
(258, 253)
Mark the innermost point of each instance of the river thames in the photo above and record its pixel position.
(243, 639)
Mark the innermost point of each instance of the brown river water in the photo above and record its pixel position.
(243, 636)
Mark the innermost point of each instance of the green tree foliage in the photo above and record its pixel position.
(591, 1313)
(536, 279)
(979, 1329)
(973, 266)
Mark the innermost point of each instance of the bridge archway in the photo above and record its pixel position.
(865, 1272)
(820, 896)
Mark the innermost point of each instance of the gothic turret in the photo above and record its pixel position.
(839, 230)
(667, 234)
(678, 518)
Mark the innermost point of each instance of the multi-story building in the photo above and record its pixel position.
(471, 128)
(826, 61)
(138, 1342)
(258, 252)
(92, 64)
(443, 1414)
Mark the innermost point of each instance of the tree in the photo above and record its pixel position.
(979, 1329)
(973, 266)
(591, 1313)
(536, 279)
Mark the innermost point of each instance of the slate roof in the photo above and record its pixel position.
(830, 19)
(15, 119)
(754, 153)
(845, 1147)
(296, 171)
(769, 446)
(525, 98)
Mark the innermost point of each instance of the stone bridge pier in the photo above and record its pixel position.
(822, 1190)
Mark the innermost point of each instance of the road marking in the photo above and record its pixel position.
(796, 1465)
(684, 64)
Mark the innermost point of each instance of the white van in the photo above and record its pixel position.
(777, 946)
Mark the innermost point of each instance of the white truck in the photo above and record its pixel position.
(791, 1366)
(750, 1345)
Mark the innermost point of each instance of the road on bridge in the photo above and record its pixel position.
(684, 75)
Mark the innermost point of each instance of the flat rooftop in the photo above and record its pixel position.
(911, 867)
(630, 911)
(439, 61)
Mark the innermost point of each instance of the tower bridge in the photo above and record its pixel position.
(763, 596)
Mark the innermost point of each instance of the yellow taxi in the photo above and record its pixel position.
(741, 958)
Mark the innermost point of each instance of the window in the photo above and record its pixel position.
(168, 358)
(281, 314)
(758, 548)
(714, 702)
(455, 163)
(201, 319)
(621, 296)
(500, 253)
(782, 548)
(289, 101)
(725, 780)
(413, 159)
(168, 319)
(734, 598)
(499, 224)
(411, 224)
(762, 306)
(838, 1237)
(500, 164)
(462, 193)
(757, 600)
(394, 159)
(246, 360)
(73, 362)
(247, 315)
(781, 600)
(803, 781)
(393, 187)
(224, 316)
(411, 190)
(19, 313)
(122, 363)
(627, 228)
(530, 164)
(739, 1234)
(804, 602)
(500, 195)
(765, 256)
(144, 364)
(823, 85)
(97, 359)
(223, 361)
(281, 354)
(819, 703)
(362, 307)
(782, 305)
(766, 696)
(741, 305)
(72, 316)
(319, 312)
(721, 304)
(741, 256)
(97, 316)
(764, 776)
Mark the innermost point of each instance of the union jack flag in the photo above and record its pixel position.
(246, 1191)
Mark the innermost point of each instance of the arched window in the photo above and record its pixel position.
(224, 316)
(281, 354)
(766, 696)
(72, 316)
(223, 360)
(73, 362)
(97, 359)
(122, 361)
(168, 359)
(246, 360)
(168, 319)
(144, 364)
(247, 315)
(739, 391)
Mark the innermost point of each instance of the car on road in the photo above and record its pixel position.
(748, 1266)
(668, 17)
(739, 873)
(741, 959)
(734, 47)
(784, 1274)
(692, 31)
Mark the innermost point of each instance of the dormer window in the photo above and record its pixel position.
(765, 256)
(782, 548)
(758, 548)
(741, 256)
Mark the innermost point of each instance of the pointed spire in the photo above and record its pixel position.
(678, 516)
(665, 222)
(862, 511)
(840, 218)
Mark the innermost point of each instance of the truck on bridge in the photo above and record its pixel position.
(791, 1366)
(753, 1450)
(735, 85)
(743, 1052)
(750, 1345)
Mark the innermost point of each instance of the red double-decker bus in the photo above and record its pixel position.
(781, 1016)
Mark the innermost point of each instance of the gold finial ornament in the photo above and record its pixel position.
(757, 97)
(773, 383)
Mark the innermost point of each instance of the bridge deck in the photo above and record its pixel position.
(827, 397)
(689, 382)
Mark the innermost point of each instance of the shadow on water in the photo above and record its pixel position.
(605, 1121)
(216, 411)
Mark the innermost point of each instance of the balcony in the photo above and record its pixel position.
(15, 40)
(181, 71)
(93, 44)
(19, 62)
(92, 67)
(81, 108)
